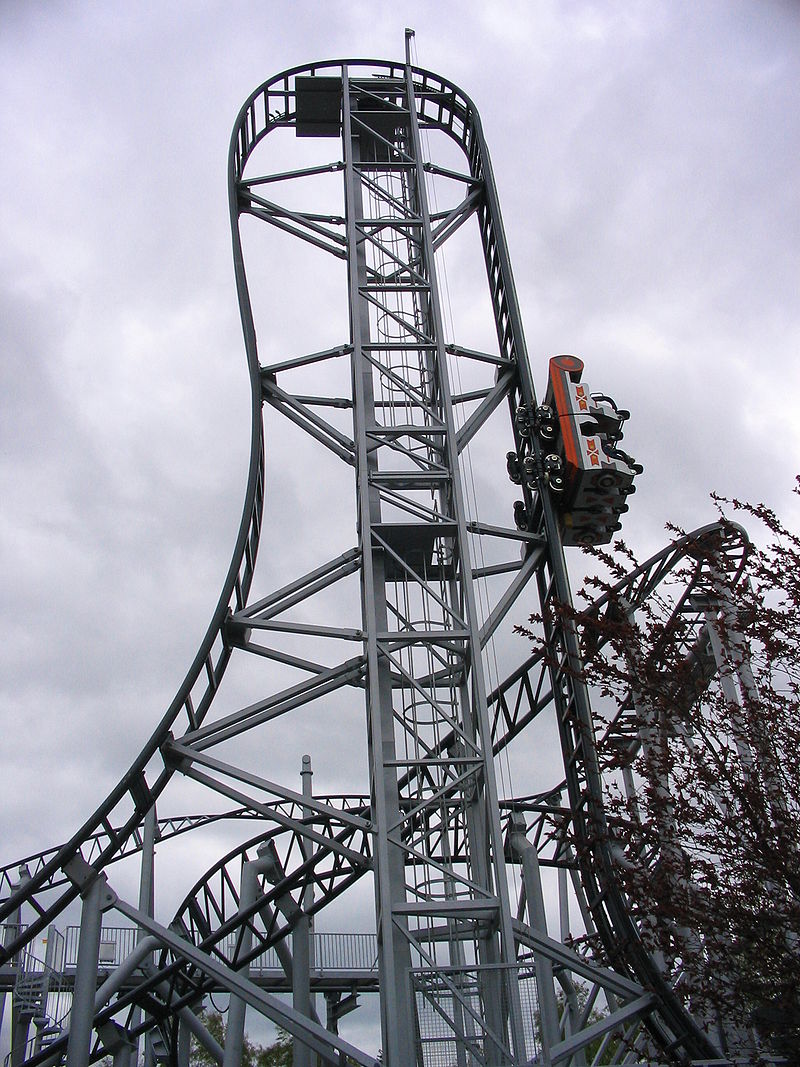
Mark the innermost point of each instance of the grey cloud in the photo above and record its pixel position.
(646, 161)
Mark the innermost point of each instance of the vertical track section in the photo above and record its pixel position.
(670, 1024)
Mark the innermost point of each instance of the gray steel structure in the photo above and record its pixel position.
(462, 977)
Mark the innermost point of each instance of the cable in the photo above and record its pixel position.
(468, 482)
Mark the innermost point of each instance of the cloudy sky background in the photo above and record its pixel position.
(646, 157)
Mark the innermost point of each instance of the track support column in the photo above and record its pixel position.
(248, 891)
(302, 948)
(97, 897)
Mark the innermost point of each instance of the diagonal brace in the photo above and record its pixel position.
(314, 1035)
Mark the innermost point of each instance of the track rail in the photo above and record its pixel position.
(525, 693)
(108, 832)
(210, 915)
(514, 699)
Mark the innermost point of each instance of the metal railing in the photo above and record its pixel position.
(345, 952)
(41, 991)
(331, 951)
(116, 943)
(43, 988)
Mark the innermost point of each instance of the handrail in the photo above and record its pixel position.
(53, 986)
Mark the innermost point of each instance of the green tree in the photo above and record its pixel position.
(277, 1054)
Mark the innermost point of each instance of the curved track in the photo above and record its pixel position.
(112, 829)
(210, 915)
(121, 813)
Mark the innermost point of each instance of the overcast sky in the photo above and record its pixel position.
(646, 156)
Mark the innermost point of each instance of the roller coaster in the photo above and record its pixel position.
(410, 620)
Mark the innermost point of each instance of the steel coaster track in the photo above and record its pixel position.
(210, 916)
(210, 910)
(108, 832)
(523, 694)
(166, 828)
(513, 700)
(96, 845)
(720, 552)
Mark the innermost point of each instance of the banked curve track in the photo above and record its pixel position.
(107, 833)
(210, 915)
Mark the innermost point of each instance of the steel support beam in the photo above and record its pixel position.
(95, 897)
(272, 1007)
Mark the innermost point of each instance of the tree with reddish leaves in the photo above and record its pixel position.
(703, 783)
